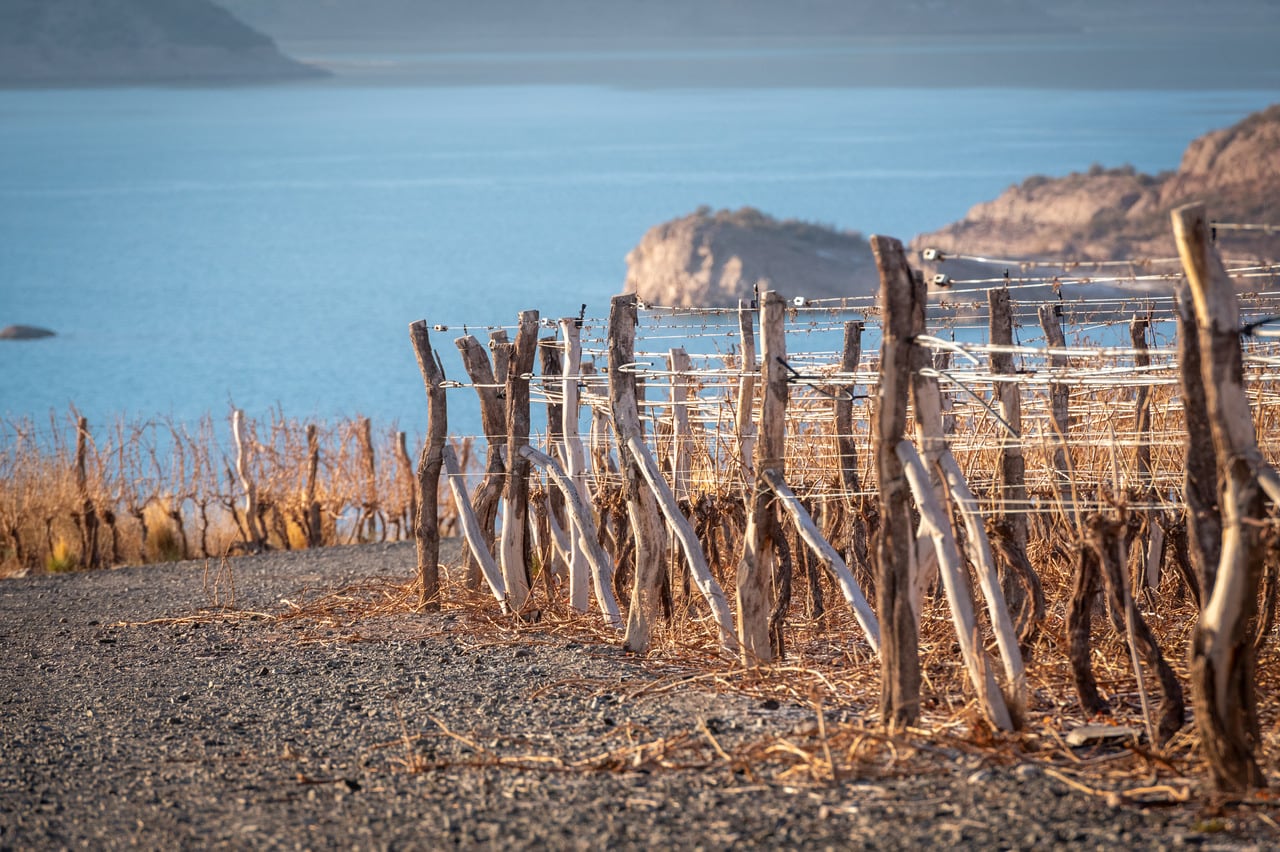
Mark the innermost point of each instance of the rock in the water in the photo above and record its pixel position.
(713, 259)
(24, 332)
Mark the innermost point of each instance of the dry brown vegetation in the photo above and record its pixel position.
(159, 491)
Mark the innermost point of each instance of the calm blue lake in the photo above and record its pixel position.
(269, 246)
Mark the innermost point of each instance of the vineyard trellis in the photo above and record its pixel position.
(1107, 452)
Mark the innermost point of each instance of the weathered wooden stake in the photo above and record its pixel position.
(493, 421)
(315, 528)
(88, 514)
(514, 546)
(427, 533)
(1060, 413)
(471, 527)
(253, 523)
(575, 460)
(755, 569)
(1223, 684)
(1200, 477)
(744, 425)
(895, 551)
(847, 451)
(646, 525)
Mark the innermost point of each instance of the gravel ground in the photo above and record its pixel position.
(418, 731)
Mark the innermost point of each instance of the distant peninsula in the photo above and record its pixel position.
(714, 258)
(110, 42)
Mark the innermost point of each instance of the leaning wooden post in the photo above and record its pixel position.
(755, 570)
(471, 527)
(1223, 683)
(1059, 411)
(646, 525)
(515, 490)
(493, 421)
(895, 551)
(427, 533)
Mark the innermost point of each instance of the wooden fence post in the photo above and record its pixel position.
(315, 525)
(88, 513)
(895, 551)
(471, 527)
(1200, 477)
(574, 457)
(427, 533)
(642, 510)
(513, 548)
(1223, 683)
(755, 569)
(493, 421)
(847, 451)
(1060, 413)
(1022, 590)
(745, 423)
(252, 523)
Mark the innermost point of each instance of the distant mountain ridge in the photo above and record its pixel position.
(526, 20)
(52, 42)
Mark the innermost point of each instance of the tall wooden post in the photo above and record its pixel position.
(1011, 524)
(513, 548)
(493, 422)
(575, 463)
(642, 509)
(1059, 411)
(88, 514)
(427, 533)
(847, 451)
(1200, 476)
(755, 570)
(1223, 683)
(895, 551)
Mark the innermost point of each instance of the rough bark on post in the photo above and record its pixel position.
(847, 451)
(1019, 579)
(1059, 412)
(755, 569)
(427, 532)
(1223, 684)
(493, 421)
(642, 509)
(899, 644)
(315, 529)
(1200, 476)
(369, 506)
(514, 545)
(552, 369)
(1152, 541)
(681, 437)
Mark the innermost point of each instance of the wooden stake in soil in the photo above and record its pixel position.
(252, 523)
(755, 570)
(847, 450)
(1059, 412)
(744, 425)
(515, 491)
(899, 648)
(471, 527)
(88, 514)
(646, 525)
(493, 421)
(574, 459)
(1223, 685)
(1200, 479)
(315, 530)
(427, 533)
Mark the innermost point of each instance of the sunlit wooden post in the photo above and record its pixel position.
(642, 510)
(427, 530)
(895, 551)
(1223, 684)
(515, 491)
(493, 421)
(755, 569)
(1059, 411)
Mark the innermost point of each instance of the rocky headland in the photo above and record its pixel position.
(1119, 213)
(107, 42)
(712, 259)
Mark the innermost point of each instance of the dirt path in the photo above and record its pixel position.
(419, 731)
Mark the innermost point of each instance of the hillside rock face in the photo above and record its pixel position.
(94, 42)
(712, 260)
(1119, 213)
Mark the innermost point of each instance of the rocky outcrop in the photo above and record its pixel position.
(1106, 214)
(713, 259)
(24, 332)
(74, 42)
